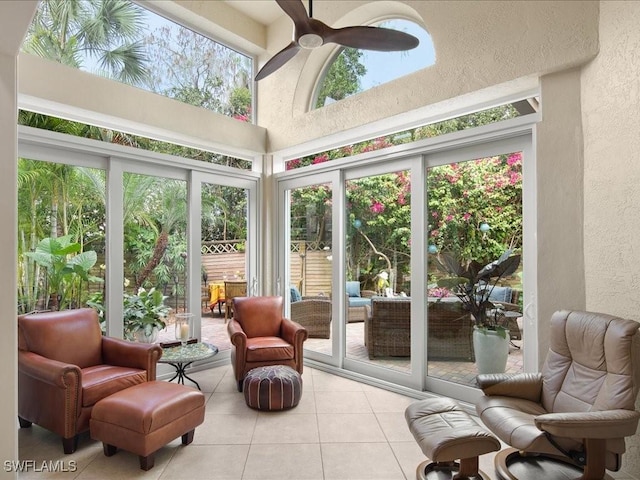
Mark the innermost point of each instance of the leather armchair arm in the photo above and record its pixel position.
(237, 335)
(599, 425)
(293, 332)
(122, 353)
(523, 385)
(49, 393)
(46, 370)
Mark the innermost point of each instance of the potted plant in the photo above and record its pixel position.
(473, 284)
(144, 315)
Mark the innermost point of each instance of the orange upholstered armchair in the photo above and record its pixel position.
(261, 336)
(65, 366)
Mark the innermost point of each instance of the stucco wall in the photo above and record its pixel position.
(8, 261)
(611, 95)
(477, 44)
(559, 237)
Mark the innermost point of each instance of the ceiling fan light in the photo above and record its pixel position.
(310, 41)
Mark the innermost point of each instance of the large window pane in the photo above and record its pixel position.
(310, 264)
(155, 250)
(378, 274)
(61, 241)
(126, 42)
(475, 213)
(224, 256)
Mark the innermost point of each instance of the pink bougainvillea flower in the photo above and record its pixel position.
(291, 164)
(514, 159)
(466, 217)
(376, 207)
(514, 177)
(401, 199)
(320, 159)
(435, 233)
(434, 214)
(449, 218)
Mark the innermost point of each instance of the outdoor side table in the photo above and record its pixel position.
(181, 357)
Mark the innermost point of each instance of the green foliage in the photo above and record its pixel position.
(107, 31)
(66, 266)
(144, 311)
(466, 195)
(195, 70)
(473, 283)
(343, 77)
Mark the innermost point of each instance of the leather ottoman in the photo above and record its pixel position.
(446, 433)
(274, 387)
(143, 418)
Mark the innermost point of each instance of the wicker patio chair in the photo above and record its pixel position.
(388, 330)
(314, 314)
(387, 327)
(450, 332)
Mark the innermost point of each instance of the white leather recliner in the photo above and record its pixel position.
(580, 407)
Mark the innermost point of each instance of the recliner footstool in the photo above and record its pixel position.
(446, 433)
(143, 418)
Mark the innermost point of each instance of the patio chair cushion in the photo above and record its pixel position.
(501, 294)
(353, 289)
(359, 302)
(295, 295)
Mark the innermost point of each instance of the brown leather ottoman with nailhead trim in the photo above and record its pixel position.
(143, 418)
(274, 387)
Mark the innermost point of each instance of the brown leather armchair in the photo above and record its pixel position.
(579, 409)
(65, 366)
(261, 336)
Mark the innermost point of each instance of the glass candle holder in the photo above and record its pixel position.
(183, 327)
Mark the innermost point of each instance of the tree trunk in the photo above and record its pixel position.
(158, 252)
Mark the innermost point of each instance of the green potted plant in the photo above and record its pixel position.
(473, 283)
(144, 315)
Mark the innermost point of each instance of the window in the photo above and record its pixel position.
(354, 71)
(125, 42)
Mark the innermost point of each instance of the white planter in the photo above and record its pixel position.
(491, 351)
(143, 338)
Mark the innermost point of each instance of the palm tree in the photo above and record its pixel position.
(79, 33)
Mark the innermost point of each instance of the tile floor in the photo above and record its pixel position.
(341, 430)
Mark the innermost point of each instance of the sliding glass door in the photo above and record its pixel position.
(307, 254)
(394, 317)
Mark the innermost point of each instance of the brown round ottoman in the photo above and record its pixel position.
(143, 418)
(274, 387)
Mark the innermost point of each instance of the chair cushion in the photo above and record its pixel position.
(258, 316)
(69, 336)
(501, 294)
(266, 349)
(100, 381)
(295, 295)
(353, 289)
(359, 301)
(513, 421)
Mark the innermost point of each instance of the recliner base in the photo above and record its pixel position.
(429, 470)
(511, 464)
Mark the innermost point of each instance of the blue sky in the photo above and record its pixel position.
(383, 67)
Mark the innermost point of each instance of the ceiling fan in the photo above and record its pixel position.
(310, 33)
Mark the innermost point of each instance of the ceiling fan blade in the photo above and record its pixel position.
(295, 9)
(372, 38)
(278, 60)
